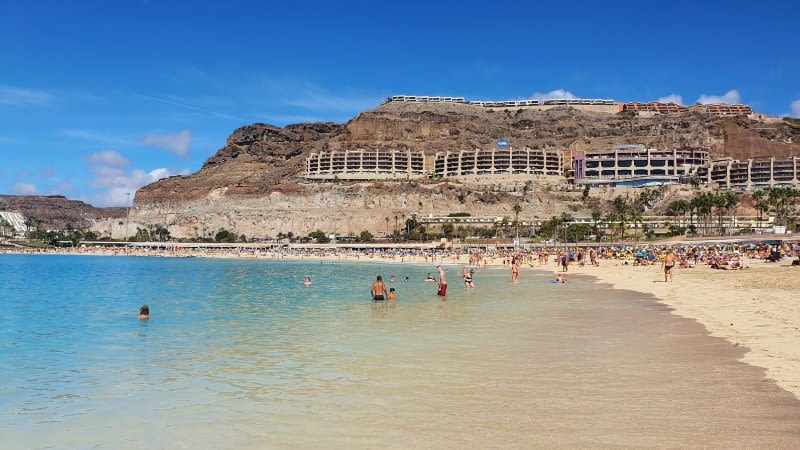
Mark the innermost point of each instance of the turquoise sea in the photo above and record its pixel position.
(240, 354)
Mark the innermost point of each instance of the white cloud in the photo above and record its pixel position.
(671, 98)
(796, 108)
(113, 173)
(24, 189)
(730, 97)
(17, 96)
(175, 143)
(89, 135)
(558, 94)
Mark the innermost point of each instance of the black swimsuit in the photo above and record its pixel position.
(378, 298)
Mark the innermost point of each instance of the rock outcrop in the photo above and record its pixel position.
(56, 212)
(252, 185)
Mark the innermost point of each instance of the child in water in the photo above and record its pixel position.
(391, 293)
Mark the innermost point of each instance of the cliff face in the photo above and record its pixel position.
(252, 186)
(56, 212)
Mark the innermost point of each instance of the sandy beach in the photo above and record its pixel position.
(756, 308)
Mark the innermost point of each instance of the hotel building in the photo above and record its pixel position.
(636, 166)
(755, 173)
(724, 110)
(476, 163)
(654, 107)
(501, 103)
(365, 165)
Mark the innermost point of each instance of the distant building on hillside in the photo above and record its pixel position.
(365, 165)
(724, 109)
(12, 224)
(755, 173)
(502, 103)
(592, 104)
(501, 161)
(654, 107)
(637, 166)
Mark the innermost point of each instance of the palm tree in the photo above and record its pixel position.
(732, 201)
(758, 196)
(610, 219)
(621, 207)
(387, 225)
(720, 202)
(636, 218)
(517, 209)
(395, 222)
(596, 217)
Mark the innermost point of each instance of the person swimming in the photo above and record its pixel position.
(560, 279)
(144, 312)
(308, 281)
(378, 290)
(430, 278)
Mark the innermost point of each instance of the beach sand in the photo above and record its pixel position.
(757, 308)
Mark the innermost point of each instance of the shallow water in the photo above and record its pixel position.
(241, 354)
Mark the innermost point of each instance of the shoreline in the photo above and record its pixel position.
(754, 308)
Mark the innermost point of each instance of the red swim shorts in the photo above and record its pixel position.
(442, 290)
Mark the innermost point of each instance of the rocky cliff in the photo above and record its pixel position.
(252, 185)
(56, 212)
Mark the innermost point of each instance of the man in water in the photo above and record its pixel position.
(668, 263)
(442, 281)
(378, 290)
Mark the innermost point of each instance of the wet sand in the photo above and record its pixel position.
(581, 365)
(757, 308)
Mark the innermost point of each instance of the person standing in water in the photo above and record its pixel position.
(378, 290)
(468, 279)
(144, 312)
(442, 281)
(515, 270)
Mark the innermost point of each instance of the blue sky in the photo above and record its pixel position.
(98, 98)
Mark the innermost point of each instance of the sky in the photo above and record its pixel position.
(99, 98)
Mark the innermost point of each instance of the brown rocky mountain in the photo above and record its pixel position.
(56, 212)
(252, 185)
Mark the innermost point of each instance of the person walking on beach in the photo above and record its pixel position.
(564, 262)
(378, 290)
(442, 281)
(668, 263)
